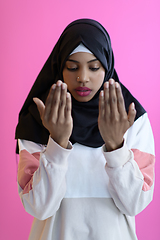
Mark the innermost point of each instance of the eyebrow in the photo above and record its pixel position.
(93, 60)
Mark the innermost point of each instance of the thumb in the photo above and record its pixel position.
(131, 113)
(40, 106)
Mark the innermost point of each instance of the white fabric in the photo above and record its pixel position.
(81, 48)
(86, 193)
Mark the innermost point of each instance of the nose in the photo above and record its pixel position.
(83, 76)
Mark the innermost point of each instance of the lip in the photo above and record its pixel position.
(83, 91)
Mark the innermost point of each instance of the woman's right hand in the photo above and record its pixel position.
(56, 113)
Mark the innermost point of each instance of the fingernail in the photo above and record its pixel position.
(101, 93)
(111, 81)
(34, 99)
(63, 86)
(53, 86)
(59, 83)
(116, 84)
(106, 85)
(67, 95)
(133, 105)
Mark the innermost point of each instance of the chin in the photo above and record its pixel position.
(83, 99)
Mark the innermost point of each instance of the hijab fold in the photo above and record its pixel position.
(85, 114)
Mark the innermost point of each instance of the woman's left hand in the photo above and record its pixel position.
(113, 120)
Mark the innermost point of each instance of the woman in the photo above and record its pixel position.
(87, 155)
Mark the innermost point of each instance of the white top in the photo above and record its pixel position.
(84, 193)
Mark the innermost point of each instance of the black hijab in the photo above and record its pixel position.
(85, 114)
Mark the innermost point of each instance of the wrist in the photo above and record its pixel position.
(62, 142)
(111, 146)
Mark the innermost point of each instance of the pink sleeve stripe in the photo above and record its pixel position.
(146, 163)
(28, 164)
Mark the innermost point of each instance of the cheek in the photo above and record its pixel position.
(103, 72)
(100, 77)
(65, 77)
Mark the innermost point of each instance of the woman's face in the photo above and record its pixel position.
(84, 74)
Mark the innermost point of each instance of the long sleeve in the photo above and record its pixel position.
(131, 169)
(41, 177)
(86, 192)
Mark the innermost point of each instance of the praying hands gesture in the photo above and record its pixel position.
(113, 120)
(56, 113)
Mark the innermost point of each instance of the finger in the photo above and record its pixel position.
(48, 102)
(113, 98)
(120, 100)
(131, 113)
(106, 100)
(62, 103)
(40, 106)
(68, 107)
(55, 102)
(101, 104)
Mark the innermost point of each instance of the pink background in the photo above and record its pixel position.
(29, 29)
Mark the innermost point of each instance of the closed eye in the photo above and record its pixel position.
(94, 69)
(72, 69)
